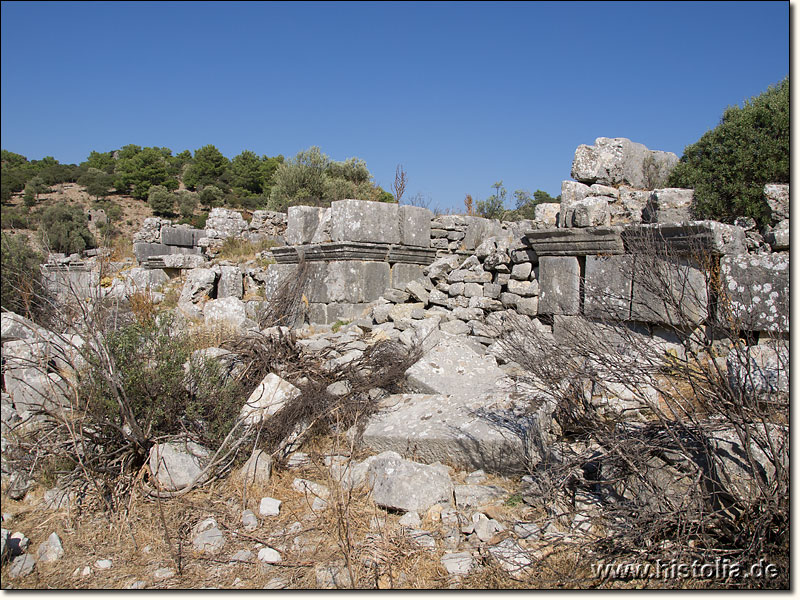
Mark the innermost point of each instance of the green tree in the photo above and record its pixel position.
(103, 161)
(730, 164)
(177, 163)
(207, 169)
(138, 169)
(63, 229)
(21, 282)
(187, 203)
(211, 196)
(494, 206)
(98, 183)
(33, 188)
(161, 200)
(300, 179)
(246, 173)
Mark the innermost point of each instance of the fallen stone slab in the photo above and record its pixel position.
(458, 563)
(480, 431)
(450, 367)
(400, 484)
(21, 566)
(51, 549)
(269, 397)
(472, 495)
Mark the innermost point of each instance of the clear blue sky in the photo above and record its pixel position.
(462, 94)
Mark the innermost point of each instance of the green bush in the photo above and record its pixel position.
(64, 229)
(730, 164)
(161, 200)
(21, 278)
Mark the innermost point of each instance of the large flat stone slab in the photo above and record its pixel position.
(476, 432)
(576, 242)
(451, 367)
(685, 239)
(560, 285)
(347, 281)
(331, 251)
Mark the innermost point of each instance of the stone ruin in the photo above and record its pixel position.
(454, 282)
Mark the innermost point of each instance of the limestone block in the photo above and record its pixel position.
(144, 250)
(778, 237)
(756, 291)
(452, 368)
(224, 223)
(546, 214)
(630, 206)
(322, 234)
(177, 464)
(302, 222)
(523, 288)
(415, 226)
(182, 261)
(668, 292)
(269, 397)
(473, 289)
(478, 230)
(615, 161)
(759, 370)
(348, 281)
(608, 287)
(590, 212)
(229, 311)
(199, 285)
(181, 236)
(491, 290)
(471, 432)
(521, 271)
(560, 280)
(528, 306)
(345, 311)
(576, 242)
(404, 485)
(669, 205)
(777, 196)
(230, 283)
(439, 268)
(364, 221)
(417, 291)
(403, 273)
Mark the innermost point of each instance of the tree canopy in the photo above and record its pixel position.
(730, 164)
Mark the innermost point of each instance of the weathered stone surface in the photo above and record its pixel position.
(521, 271)
(230, 283)
(364, 221)
(21, 566)
(589, 212)
(560, 279)
(691, 239)
(258, 469)
(15, 327)
(400, 484)
(571, 193)
(756, 291)
(323, 233)
(478, 230)
(452, 368)
(208, 538)
(778, 237)
(442, 266)
(402, 274)
(269, 397)
(630, 206)
(759, 370)
(302, 224)
(174, 465)
(347, 281)
(229, 312)
(523, 288)
(472, 495)
(418, 291)
(546, 214)
(777, 196)
(458, 563)
(479, 431)
(181, 236)
(615, 161)
(608, 287)
(576, 242)
(269, 507)
(668, 292)
(199, 286)
(415, 226)
(223, 223)
(178, 261)
(669, 205)
(511, 557)
(144, 250)
(51, 549)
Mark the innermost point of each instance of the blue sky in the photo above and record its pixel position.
(462, 94)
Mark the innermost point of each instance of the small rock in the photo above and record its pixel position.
(209, 541)
(476, 477)
(510, 556)
(137, 584)
(163, 573)
(298, 459)
(51, 550)
(249, 520)
(103, 564)
(277, 583)
(269, 555)
(458, 563)
(304, 486)
(269, 507)
(410, 519)
(422, 538)
(21, 566)
(242, 556)
(319, 504)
